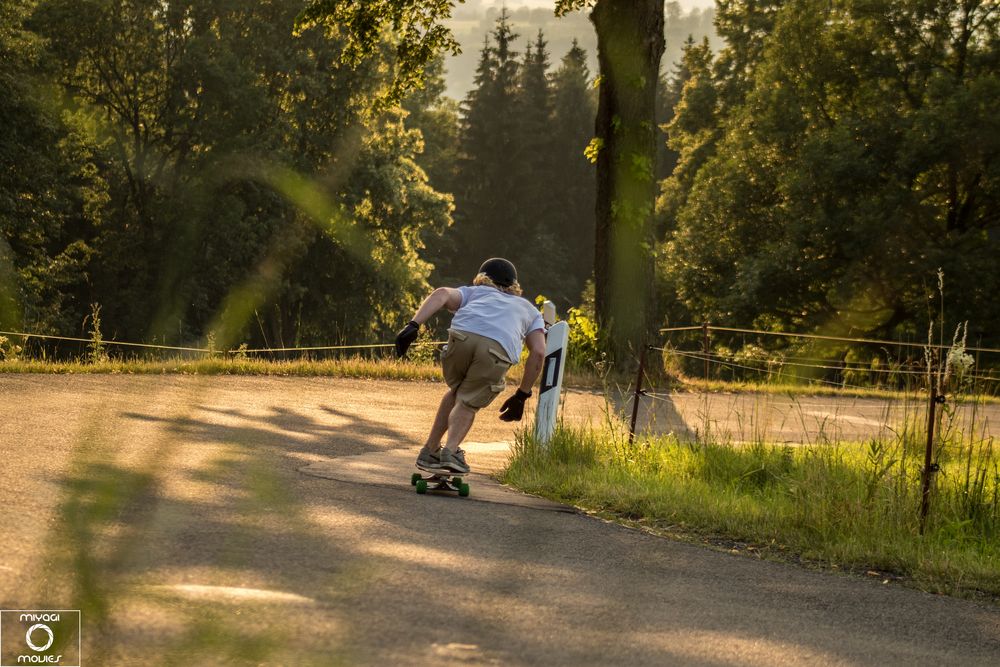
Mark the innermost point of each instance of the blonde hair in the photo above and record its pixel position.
(483, 279)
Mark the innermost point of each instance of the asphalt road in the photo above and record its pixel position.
(270, 521)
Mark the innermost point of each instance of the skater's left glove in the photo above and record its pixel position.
(405, 337)
(513, 408)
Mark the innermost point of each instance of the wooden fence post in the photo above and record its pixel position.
(637, 395)
(929, 467)
(704, 346)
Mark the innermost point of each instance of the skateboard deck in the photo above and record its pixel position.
(430, 479)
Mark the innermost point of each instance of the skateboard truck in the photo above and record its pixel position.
(439, 480)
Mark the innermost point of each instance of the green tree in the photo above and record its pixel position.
(488, 206)
(668, 96)
(414, 27)
(572, 181)
(864, 156)
(46, 185)
(436, 116)
(241, 159)
(535, 245)
(745, 27)
(693, 128)
(630, 45)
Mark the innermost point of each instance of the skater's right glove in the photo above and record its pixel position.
(405, 337)
(513, 408)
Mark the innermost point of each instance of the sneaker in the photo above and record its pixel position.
(429, 459)
(454, 461)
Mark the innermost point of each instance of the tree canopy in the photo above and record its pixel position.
(209, 167)
(832, 160)
(256, 172)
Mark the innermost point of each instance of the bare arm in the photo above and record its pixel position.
(442, 297)
(536, 356)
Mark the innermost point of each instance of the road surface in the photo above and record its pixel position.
(270, 521)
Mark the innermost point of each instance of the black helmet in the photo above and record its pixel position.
(500, 271)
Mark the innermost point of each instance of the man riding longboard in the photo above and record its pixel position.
(491, 322)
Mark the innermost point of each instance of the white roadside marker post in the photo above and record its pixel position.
(557, 336)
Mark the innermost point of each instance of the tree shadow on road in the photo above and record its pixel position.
(181, 554)
(298, 432)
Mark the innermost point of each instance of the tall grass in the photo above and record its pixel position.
(849, 506)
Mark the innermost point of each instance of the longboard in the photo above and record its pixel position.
(552, 377)
(439, 480)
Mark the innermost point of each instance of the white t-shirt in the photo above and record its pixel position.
(505, 318)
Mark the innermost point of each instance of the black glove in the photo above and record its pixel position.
(513, 408)
(405, 337)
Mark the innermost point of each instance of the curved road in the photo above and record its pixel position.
(270, 521)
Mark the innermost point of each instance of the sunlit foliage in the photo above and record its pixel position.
(212, 167)
(833, 157)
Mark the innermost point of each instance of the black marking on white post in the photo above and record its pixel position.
(550, 371)
(551, 386)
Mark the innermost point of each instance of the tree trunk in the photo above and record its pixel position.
(629, 48)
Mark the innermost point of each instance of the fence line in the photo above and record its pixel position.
(783, 357)
(338, 347)
(843, 385)
(787, 361)
(829, 338)
(769, 371)
(103, 342)
(208, 351)
(687, 328)
(780, 362)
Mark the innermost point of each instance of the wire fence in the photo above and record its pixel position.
(46, 346)
(737, 354)
(927, 396)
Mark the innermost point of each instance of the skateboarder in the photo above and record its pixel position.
(490, 324)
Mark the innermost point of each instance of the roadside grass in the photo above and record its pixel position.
(850, 507)
(349, 367)
(805, 388)
(356, 366)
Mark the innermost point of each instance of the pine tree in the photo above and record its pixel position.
(436, 117)
(667, 98)
(692, 131)
(485, 198)
(572, 180)
(538, 246)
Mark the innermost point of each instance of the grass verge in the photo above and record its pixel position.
(352, 367)
(347, 367)
(848, 507)
(801, 389)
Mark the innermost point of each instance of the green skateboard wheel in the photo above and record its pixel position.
(414, 478)
(421, 486)
(463, 490)
(457, 481)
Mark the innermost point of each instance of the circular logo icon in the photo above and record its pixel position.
(31, 630)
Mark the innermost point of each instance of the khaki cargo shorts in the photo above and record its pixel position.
(474, 368)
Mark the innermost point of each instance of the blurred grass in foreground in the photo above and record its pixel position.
(851, 507)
